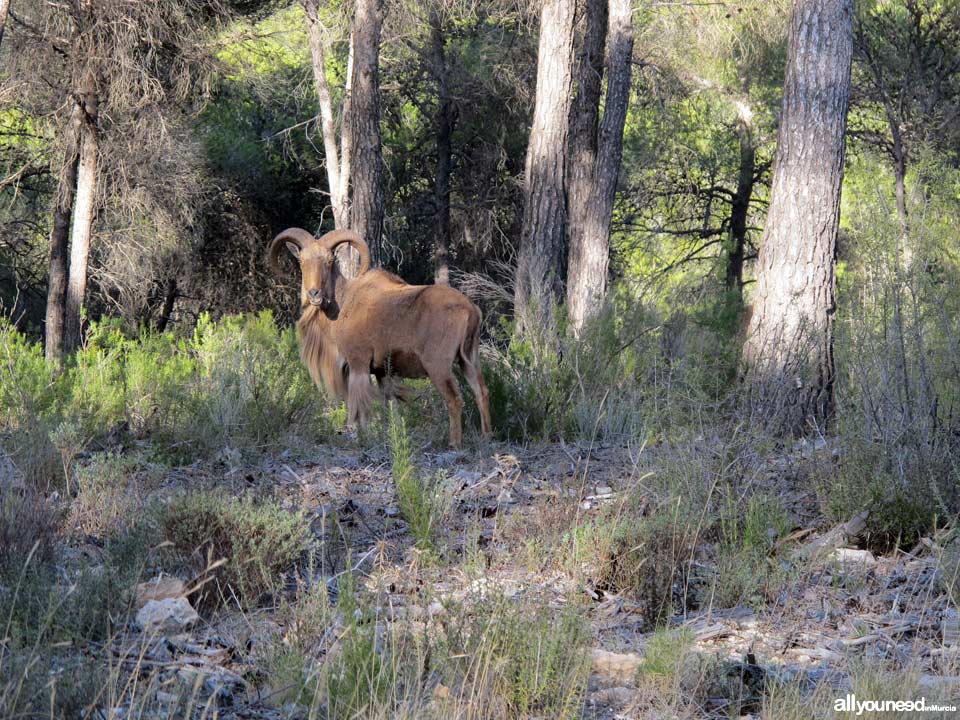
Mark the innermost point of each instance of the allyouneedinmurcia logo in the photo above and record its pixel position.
(850, 704)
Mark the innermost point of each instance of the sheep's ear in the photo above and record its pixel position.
(294, 250)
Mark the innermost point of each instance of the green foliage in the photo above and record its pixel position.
(237, 382)
(518, 662)
(664, 652)
(244, 545)
(419, 499)
(747, 539)
(648, 558)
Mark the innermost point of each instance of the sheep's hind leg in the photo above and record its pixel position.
(479, 388)
(446, 384)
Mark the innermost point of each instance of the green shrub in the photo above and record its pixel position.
(256, 538)
(648, 558)
(420, 500)
(517, 661)
(237, 382)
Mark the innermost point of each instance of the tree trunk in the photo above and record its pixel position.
(4, 9)
(445, 125)
(590, 228)
(582, 165)
(59, 243)
(318, 40)
(740, 208)
(364, 118)
(169, 298)
(789, 345)
(540, 266)
(83, 210)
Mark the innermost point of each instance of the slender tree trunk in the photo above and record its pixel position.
(59, 243)
(318, 39)
(169, 299)
(4, 9)
(904, 251)
(540, 266)
(364, 118)
(590, 228)
(740, 208)
(445, 125)
(584, 140)
(83, 210)
(789, 344)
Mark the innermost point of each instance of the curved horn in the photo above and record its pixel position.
(338, 237)
(299, 237)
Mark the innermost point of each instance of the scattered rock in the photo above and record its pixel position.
(622, 667)
(850, 556)
(171, 614)
(160, 588)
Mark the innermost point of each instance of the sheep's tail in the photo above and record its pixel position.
(470, 344)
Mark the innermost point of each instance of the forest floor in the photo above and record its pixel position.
(829, 619)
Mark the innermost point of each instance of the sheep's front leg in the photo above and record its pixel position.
(360, 395)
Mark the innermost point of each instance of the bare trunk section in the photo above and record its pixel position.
(584, 140)
(4, 9)
(740, 207)
(789, 345)
(59, 244)
(318, 39)
(540, 265)
(169, 299)
(445, 124)
(83, 211)
(590, 225)
(364, 119)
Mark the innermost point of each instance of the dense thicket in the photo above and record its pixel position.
(611, 159)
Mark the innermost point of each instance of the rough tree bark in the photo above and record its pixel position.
(83, 211)
(445, 122)
(4, 9)
(169, 299)
(60, 241)
(789, 345)
(317, 40)
(364, 119)
(740, 207)
(540, 266)
(596, 158)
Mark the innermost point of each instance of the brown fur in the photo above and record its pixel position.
(378, 324)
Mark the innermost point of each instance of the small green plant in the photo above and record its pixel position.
(648, 557)
(517, 661)
(664, 652)
(419, 500)
(251, 541)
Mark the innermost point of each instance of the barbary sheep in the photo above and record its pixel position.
(377, 324)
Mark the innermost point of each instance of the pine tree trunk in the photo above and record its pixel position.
(789, 345)
(590, 230)
(445, 125)
(83, 211)
(367, 161)
(4, 9)
(169, 299)
(318, 41)
(60, 244)
(539, 279)
(582, 163)
(740, 207)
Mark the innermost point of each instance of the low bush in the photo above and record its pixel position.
(237, 382)
(243, 545)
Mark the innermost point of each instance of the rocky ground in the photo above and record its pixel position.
(839, 607)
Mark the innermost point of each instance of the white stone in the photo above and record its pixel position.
(172, 614)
